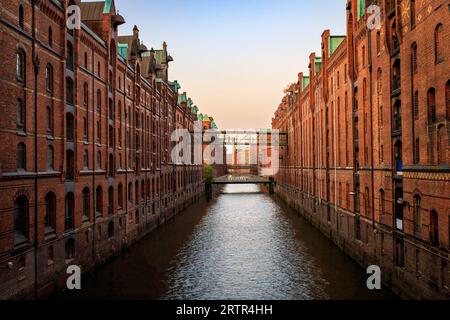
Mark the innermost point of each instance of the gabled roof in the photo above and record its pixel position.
(95, 9)
(333, 43)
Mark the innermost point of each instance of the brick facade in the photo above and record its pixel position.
(85, 166)
(368, 156)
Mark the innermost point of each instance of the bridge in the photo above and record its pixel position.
(244, 179)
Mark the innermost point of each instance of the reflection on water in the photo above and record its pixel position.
(243, 245)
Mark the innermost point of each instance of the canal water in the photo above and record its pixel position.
(244, 244)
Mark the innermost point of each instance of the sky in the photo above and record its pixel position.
(234, 58)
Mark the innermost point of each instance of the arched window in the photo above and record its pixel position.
(86, 159)
(20, 115)
(99, 201)
(395, 42)
(434, 228)
(111, 201)
(70, 249)
(69, 222)
(120, 195)
(50, 158)
(49, 78)
(50, 37)
(431, 106)
(69, 91)
(50, 213)
(417, 215)
(70, 167)
(99, 100)
(439, 43)
(49, 120)
(441, 145)
(111, 230)
(21, 17)
(70, 59)
(20, 65)
(414, 58)
(21, 157)
(21, 223)
(85, 94)
(86, 204)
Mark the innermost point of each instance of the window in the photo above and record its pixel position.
(69, 91)
(416, 105)
(86, 159)
(441, 145)
(413, 13)
(70, 60)
(70, 249)
(85, 129)
(431, 106)
(70, 168)
(120, 195)
(69, 212)
(111, 230)
(396, 81)
(21, 17)
(111, 201)
(20, 65)
(85, 94)
(49, 120)
(130, 192)
(99, 160)
(447, 101)
(70, 132)
(417, 215)
(434, 228)
(439, 43)
(414, 58)
(397, 116)
(21, 208)
(378, 42)
(417, 152)
(86, 204)
(85, 60)
(20, 115)
(382, 205)
(21, 157)
(98, 69)
(99, 132)
(99, 100)
(50, 37)
(111, 165)
(50, 213)
(50, 158)
(99, 201)
(49, 78)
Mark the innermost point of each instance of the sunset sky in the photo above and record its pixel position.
(235, 57)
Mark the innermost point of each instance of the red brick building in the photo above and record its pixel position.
(85, 131)
(368, 130)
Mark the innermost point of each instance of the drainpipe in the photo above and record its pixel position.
(369, 40)
(36, 66)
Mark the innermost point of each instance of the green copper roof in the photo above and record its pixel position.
(333, 43)
(182, 98)
(123, 47)
(190, 103)
(107, 8)
(305, 82)
(317, 64)
(214, 125)
(361, 8)
(194, 110)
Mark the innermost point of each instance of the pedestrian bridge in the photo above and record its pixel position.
(242, 179)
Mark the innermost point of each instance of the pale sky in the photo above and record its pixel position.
(234, 58)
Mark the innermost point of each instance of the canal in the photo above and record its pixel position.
(244, 244)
